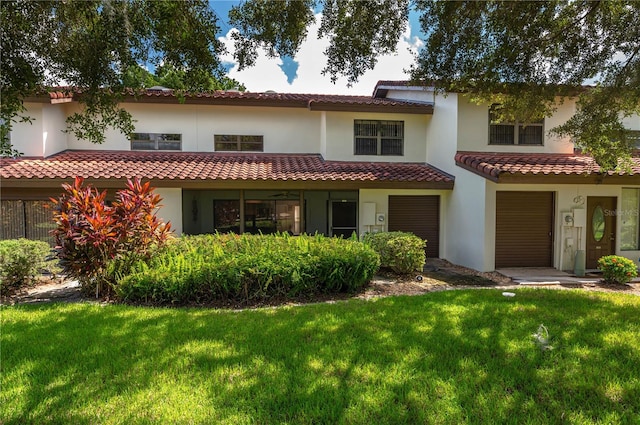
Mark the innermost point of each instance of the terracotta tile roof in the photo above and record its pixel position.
(511, 166)
(314, 102)
(204, 166)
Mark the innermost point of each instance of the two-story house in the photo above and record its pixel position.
(484, 195)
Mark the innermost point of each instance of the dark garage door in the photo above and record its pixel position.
(419, 215)
(524, 229)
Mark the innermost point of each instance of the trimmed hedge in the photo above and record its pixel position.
(402, 252)
(21, 260)
(197, 269)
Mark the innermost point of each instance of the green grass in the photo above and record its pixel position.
(450, 357)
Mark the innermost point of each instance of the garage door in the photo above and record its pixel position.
(524, 229)
(419, 215)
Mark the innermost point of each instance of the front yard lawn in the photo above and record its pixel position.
(450, 357)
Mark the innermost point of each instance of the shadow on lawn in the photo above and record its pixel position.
(450, 357)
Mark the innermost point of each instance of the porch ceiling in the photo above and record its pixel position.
(185, 169)
(544, 168)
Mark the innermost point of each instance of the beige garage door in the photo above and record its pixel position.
(524, 229)
(419, 215)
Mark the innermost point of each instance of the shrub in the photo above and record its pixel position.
(616, 269)
(21, 260)
(402, 252)
(96, 241)
(203, 268)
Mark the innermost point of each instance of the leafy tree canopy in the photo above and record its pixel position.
(523, 55)
(96, 47)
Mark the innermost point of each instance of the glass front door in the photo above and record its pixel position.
(601, 228)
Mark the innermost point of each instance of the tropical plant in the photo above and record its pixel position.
(90, 234)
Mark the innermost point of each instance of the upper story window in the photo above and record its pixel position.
(501, 133)
(238, 143)
(156, 141)
(378, 137)
(633, 136)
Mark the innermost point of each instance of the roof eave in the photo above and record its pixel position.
(54, 183)
(395, 108)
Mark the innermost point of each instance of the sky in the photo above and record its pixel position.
(303, 74)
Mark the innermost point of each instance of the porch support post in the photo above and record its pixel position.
(302, 212)
(242, 211)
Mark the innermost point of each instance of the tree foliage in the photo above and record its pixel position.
(524, 55)
(527, 54)
(92, 235)
(358, 31)
(91, 45)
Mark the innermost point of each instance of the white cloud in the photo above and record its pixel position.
(267, 74)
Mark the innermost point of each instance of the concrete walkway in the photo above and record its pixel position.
(549, 276)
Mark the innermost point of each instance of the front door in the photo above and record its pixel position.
(343, 218)
(601, 228)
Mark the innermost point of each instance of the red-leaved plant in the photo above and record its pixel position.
(92, 235)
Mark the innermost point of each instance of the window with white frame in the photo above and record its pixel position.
(373, 137)
(502, 133)
(156, 142)
(238, 143)
(630, 220)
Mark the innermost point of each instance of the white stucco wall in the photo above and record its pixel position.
(632, 122)
(171, 209)
(467, 220)
(340, 138)
(285, 130)
(442, 133)
(473, 130)
(381, 199)
(54, 139)
(28, 137)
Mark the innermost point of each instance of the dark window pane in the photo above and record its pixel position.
(391, 147)
(140, 136)
(365, 128)
(226, 216)
(255, 147)
(501, 134)
(226, 146)
(391, 129)
(251, 139)
(344, 214)
(169, 146)
(168, 136)
(143, 145)
(530, 135)
(225, 138)
(368, 146)
(260, 216)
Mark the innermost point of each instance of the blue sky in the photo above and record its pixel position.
(303, 74)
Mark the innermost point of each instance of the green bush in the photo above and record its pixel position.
(21, 260)
(616, 269)
(198, 269)
(402, 252)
